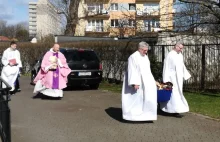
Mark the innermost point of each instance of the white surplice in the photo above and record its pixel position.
(10, 73)
(174, 71)
(140, 105)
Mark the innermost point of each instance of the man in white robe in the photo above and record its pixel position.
(11, 65)
(174, 71)
(139, 92)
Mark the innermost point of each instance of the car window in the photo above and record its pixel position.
(80, 56)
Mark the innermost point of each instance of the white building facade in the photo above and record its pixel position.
(32, 19)
(44, 19)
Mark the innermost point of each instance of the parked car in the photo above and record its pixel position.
(85, 65)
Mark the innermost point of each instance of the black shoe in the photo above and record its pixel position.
(177, 115)
(38, 95)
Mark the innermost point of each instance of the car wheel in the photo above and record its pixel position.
(33, 75)
(94, 86)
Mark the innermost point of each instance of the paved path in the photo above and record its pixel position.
(95, 116)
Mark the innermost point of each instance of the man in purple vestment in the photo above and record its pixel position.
(52, 77)
(55, 75)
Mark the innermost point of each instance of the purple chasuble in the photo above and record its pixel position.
(55, 76)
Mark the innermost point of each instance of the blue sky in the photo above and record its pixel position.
(14, 11)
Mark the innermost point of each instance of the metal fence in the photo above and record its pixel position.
(203, 62)
(5, 118)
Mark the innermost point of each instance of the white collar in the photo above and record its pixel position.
(10, 48)
(51, 50)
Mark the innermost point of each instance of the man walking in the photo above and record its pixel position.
(139, 92)
(52, 77)
(11, 65)
(174, 71)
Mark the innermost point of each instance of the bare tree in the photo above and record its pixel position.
(3, 25)
(70, 9)
(203, 15)
(19, 31)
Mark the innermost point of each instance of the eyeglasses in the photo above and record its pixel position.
(144, 50)
(180, 47)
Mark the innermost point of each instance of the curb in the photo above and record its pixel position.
(204, 116)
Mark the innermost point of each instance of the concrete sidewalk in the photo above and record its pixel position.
(95, 116)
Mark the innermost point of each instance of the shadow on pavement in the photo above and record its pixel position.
(77, 88)
(116, 113)
(44, 97)
(162, 113)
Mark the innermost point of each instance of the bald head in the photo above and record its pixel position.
(56, 47)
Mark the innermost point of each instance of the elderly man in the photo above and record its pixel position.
(174, 71)
(11, 65)
(139, 93)
(52, 77)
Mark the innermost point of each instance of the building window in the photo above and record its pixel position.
(151, 8)
(114, 23)
(95, 25)
(95, 7)
(131, 23)
(132, 6)
(150, 25)
(114, 6)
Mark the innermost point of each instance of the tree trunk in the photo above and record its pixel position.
(72, 18)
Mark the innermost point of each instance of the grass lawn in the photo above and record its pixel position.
(202, 103)
(206, 104)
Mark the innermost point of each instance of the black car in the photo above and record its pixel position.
(85, 65)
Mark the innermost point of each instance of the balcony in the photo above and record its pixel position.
(32, 11)
(32, 24)
(101, 1)
(147, 31)
(96, 31)
(102, 14)
(33, 6)
(145, 15)
(138, 1)
(32, 19)
(32, 15)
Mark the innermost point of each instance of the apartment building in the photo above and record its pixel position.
(43, 19)
(32, 19)
(124, 18)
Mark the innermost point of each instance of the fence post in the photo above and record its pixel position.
(202, 85)
(163, 54)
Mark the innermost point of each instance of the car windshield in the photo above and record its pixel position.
(80, 55)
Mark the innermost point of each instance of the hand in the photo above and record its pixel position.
(53, 66)
(12, 64)
(136, 87)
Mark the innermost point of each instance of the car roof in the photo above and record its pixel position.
(74, 49)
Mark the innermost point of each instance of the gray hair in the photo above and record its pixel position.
(143, 44)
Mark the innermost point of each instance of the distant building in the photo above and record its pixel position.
(124, 18)
(43, 19)
(32, 19)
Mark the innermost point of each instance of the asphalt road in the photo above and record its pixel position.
(95, 116)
